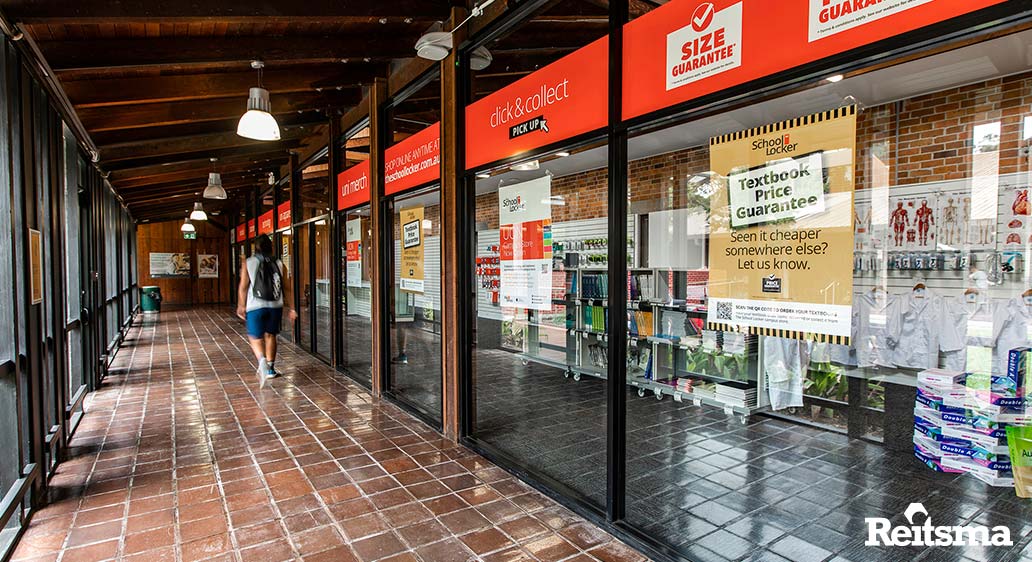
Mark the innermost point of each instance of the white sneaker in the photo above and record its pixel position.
(270, 370)
(263, 367)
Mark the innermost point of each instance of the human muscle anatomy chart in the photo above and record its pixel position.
(925, 222)
(899, 223)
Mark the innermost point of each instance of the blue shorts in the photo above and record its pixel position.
(264, 321)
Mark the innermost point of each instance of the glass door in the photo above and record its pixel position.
(356, 288)
(304, 284)
(415, 302)
(321, 264)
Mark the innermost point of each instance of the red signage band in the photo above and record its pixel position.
(241, 232)
(562, 100)
(413, 161)
(252, 228)
(353, 186)
(265, 223)
(686, 49)
(283, 212)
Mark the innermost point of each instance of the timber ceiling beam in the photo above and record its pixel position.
(181, 112)
(194, 143)
(182, 52)
(231, 11)
(123, 91)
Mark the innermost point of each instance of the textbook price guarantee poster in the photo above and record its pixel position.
(781, 230)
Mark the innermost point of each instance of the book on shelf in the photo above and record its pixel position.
(736, 394)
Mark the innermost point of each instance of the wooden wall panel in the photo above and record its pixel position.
(166, 237)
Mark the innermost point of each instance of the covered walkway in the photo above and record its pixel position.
(181, 457)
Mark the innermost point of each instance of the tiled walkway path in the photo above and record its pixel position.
(181, 457)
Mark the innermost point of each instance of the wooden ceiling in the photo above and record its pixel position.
(159, 86)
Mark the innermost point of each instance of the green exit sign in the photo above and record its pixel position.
(189, 236)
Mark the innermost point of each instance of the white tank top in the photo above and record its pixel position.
(255, 303)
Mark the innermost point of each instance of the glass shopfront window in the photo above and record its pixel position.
(356, 257)
(829, 315)
(412, 213)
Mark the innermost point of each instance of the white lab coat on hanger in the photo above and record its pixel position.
(974, 325)
(1010, 330)
(785, 362)
(870, 329)
(919, 328)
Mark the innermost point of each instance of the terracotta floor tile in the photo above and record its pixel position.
(144, 541)
(448, 550)
(423, 533)
(309, 468)
(615, 552)
(378, 546)
(487, 540)
(92, 553)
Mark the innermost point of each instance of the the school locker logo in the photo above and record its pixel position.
(711, 43)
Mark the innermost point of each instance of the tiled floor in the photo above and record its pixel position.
(181, 457)
(718, 490)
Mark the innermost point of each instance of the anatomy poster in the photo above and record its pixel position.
(862, 224)
(954, 212)
(353, 252)
(412, 240)
(912, 222)
(1017, 215)
(525, 222)
(782, 228)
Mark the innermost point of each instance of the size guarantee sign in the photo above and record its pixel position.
(711, 43)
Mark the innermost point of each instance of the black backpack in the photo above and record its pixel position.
(267, 284)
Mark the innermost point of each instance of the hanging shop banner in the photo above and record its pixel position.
(781, 228)
(353, 186)
(562, 100)
(689, 48)
(413, 161)
(265, 222)
(166, 264)
(353, 252)
(525, 223)
(208, 266)
(252, 228)
(283, 212)
(241, 232)
(412, 250)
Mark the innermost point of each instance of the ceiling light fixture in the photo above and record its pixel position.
(483, 176)
(835, 78)
(198, 213)
(562, 154)
(214, 189)
(528, 166)
(258, 123)
(436, 45)
(187, 226)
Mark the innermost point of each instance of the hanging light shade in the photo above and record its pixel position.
(214, 189)
(187, 226)
(198, 213)
(258, 123)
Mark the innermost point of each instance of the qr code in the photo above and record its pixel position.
(723, 311)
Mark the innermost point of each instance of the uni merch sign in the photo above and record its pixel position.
(284, 214)
(413, 161)
(241, 232)
(687, 49)
(265, 223)
(562, 100)
(353, 186)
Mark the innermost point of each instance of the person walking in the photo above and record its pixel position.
(260, 304)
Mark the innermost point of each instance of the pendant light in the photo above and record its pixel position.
(436, 45)
(187, 226)
(214, 189)
(198, 213)
(258, 123)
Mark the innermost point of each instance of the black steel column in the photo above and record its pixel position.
(333, 167)
(617, 350)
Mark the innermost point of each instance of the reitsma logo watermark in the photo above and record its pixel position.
(880, 532)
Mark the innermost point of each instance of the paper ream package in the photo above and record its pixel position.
(927, 447)
(994, 445)
(939, 377)
(1017, 366)
(932, 462)
(1019, 440)
(991, 477)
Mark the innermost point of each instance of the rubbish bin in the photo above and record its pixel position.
(150, 300)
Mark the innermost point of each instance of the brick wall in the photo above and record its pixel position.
(934, 142)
